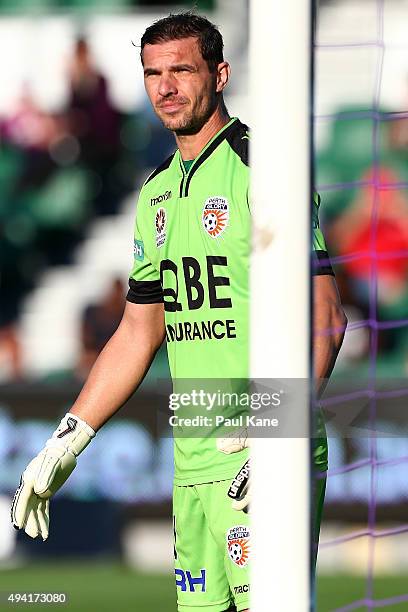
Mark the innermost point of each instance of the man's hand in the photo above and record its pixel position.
(240, 487)
(46, 473)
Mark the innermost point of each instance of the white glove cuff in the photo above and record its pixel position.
(84, 425)
(72, 433)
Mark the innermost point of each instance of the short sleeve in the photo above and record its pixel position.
(144, 280)
(320, 257)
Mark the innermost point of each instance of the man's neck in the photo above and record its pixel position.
(190, 146)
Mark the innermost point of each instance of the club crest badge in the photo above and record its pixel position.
(160, 223)
(215, 216)
(238, 545)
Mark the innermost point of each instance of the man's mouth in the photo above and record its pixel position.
(171, 106)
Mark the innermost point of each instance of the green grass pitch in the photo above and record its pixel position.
(111, 586)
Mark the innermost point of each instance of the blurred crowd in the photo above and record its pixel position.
(49, 5)
(58, 172)
(99, 321)
(363, 174)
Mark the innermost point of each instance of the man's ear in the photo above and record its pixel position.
(223, 75)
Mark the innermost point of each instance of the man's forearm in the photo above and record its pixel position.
(326, 349)
(329, 327)
(117, 372)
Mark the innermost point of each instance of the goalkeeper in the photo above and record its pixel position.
(189, 283)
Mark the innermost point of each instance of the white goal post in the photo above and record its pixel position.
(280, 93)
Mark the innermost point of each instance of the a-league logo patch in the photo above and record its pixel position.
(238, 545)
(215, 216)
(160, 223)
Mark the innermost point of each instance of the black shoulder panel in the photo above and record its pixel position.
(238, 139)
(162, 167)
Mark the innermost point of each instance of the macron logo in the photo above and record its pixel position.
(161, 198)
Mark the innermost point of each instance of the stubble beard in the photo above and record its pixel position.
(191, 122)
(187, 124)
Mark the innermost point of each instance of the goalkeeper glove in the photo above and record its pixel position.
(46, 473)
(239, 490)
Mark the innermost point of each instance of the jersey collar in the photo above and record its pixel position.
(204, 154)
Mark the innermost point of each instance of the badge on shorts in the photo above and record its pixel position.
(215, 216)
(238, 545)
(160, 224)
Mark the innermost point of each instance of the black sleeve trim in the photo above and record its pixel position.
(318, 268)
(161, 168)
(145, 292)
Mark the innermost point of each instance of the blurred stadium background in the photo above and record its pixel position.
(77, 139)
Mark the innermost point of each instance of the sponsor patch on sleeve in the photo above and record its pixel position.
(138, 250)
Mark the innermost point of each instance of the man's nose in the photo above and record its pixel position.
(167, 85)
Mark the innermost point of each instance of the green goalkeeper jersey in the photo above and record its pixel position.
(191, 251)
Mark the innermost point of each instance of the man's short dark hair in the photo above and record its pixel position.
(186, 25)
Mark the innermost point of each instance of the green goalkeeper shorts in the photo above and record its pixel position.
(211, 549)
